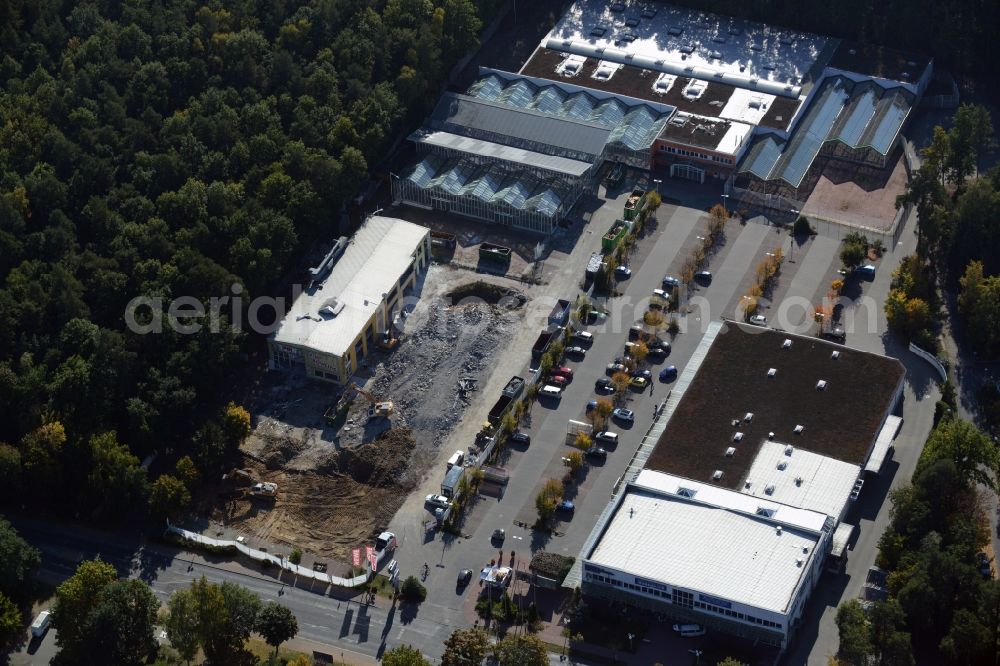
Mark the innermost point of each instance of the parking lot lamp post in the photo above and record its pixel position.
(657, 181)
(725, 202)
(791, 235)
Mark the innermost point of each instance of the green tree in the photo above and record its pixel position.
(224, 639)
(574, 460)
(731, 661)
(115, 475)
(182, 624)
(465, 647)
(41, 451)
(168, 497)
(236, 424)
(969, 448)
(277, 624)
(187, 472)
(855, 642)
(522, 650)
(119, 627)
(545, 501)
(75, 598)
(17, 561)
(852, 254)
(10, 472)
(412, 590)
(10, 621)
(404, 655)
(890, 642)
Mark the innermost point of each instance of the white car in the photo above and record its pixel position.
(758, 320)
(583, 336)
(438, 501)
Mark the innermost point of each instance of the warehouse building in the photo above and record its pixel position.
(729, 516)
(333, 325)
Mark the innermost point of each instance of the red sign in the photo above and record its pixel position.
(370, 555)
(356, 556)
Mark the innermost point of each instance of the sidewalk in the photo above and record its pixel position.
(341, 657)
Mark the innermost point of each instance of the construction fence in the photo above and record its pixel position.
(278, 561)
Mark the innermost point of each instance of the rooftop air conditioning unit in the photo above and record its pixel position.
(789, 450)
(798, 561)
(821, 385)
(769, 489)
(835, 355)
(737, 436)
(730, 451)
(736, 422)
(782, 465)
(717, 475)
(798, 481)
(787, 344)
(746, 484)
(770, 435)
(749, 417)
(798, 429)
(771, 372)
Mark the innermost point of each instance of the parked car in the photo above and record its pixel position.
(604, 385)
(41, 624)
(668, 374)
(669, 282)
(564, 371)
(498, 535)
(660, 294)
(585, 337)
(638, 382)
(689, 630)
(565, 505)
(983, 564)
(437, 501)
(868, 270)
(557, 380)
(703, 276)
(614, 367)
(591, 406)
(520, 438)
(835, 334)
(576, 351)
(642, 373)
(758, 320)
(635, 331)
(597, 453)
(658, 353)
(464, 577)
(622, 414)
(623, 272)
(607, 437)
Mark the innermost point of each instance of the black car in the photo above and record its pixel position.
(597, 453)
(604, 385)
(835, 334)
(520, 438)
(464, 577)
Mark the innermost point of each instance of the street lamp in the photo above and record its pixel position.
(657, 181)
(725, 197)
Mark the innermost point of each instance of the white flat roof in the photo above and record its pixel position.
(747, 106)
(803, 479)
(465, 144)
(706, 547)
(688, 42)
(882, 443)
(378, 254)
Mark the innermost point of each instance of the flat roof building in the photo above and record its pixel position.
(705, 554)
(331, 326)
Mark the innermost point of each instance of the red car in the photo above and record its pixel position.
(565, 372)
(557, 380)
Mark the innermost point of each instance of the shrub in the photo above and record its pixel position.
(296, 556)
(412, 590)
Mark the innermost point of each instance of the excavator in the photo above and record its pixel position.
(376, 407)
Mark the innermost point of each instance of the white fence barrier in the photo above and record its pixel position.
(932, 359)
(280, 562)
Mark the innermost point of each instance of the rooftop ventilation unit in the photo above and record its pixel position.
(749, 417)
(735, 31)
(746, 484)
(730, 452)
(805, 550)
(717, 475)
(736, 422)
(821, 385)
(598, 31)
(632, 22)
(648, 12)
(756, 47)
(835, 355)
(771, 372)
(789, 450)
(778, 530)
(769, 489)
(617, 6)
(737, 437)
(764, 511)
(798, 481)
(787, 41)
(675, 31)
(687, 49)
(331, 308)
(798, 429)
(782, 465)
(715, 55)
(798, 561)
(685, 492)
(787, 344)
(770, 435)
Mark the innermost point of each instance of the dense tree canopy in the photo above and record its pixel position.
(176, 149)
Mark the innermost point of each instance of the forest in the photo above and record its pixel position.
(175, 148)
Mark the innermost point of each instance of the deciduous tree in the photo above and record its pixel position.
(465, 647)
(277, 624)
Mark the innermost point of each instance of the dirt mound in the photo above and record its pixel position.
(382, 463)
